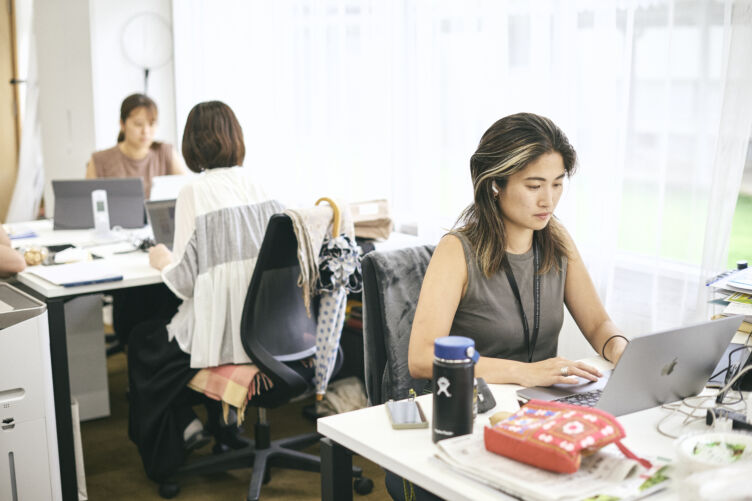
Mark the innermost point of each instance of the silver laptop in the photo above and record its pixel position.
(125, 201)
(161, 216)
(653, 370)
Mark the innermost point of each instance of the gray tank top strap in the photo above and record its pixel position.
(473, 270)
(489, 314)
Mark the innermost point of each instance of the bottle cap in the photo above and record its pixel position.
(741, 264)
(455, 348)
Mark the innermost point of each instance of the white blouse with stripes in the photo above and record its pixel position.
(220, 221)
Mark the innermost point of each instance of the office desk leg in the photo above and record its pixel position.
(336, 472)
(61, 386)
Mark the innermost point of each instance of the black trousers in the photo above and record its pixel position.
(160, 402)
(132, 306)
(402, 490)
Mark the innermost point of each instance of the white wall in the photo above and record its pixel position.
(83, 78)
(114, 77)
(66, 107)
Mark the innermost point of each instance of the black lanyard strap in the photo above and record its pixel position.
(529, 343)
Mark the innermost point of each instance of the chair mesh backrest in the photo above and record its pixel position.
(280, 319)
(276, 328)
(391, 286)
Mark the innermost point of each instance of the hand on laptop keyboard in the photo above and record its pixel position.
(559, 370)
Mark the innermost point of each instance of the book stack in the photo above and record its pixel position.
(735, 294)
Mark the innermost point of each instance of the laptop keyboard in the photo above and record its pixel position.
(587, 399)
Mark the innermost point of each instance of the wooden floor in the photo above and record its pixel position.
(114, 471)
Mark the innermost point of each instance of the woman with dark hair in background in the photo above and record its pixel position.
(136, 153)
(218, 215)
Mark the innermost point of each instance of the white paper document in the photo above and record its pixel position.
(108, 250)
(739, 281)
(738, 309)
(607, 472)
(75, 274)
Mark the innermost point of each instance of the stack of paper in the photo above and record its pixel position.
(75, 274)
(18, 232)
(607, 474)
(736, 290)
(739, 306)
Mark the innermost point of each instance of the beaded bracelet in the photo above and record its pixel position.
(603, 349)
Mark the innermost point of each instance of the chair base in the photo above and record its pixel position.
(260, 454)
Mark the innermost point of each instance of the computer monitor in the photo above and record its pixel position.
(125, 198)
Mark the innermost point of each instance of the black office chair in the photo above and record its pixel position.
(391, 286)
(277, 334)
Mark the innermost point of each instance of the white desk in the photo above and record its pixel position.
(134, 265)
(409, 453)
(136, 272)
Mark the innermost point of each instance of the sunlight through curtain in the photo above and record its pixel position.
(366, 99)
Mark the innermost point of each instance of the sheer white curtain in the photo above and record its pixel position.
(367, 98)
(29, 187)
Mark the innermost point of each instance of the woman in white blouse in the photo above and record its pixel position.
(220, 220)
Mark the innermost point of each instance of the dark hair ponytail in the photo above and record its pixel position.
(131, 103)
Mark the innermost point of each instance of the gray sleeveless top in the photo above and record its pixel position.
(488, 313)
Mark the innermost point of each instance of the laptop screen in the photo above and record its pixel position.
(161, 216)
(656, 368)
(73, 211)
(168, 187)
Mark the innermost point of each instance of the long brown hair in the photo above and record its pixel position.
(132, 103)
(506, 148)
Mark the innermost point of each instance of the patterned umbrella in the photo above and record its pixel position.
(339, 274)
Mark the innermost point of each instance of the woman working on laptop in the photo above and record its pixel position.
(502, 276)
(217, 214)
(136, 153)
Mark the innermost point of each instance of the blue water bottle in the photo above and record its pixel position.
(453, 374)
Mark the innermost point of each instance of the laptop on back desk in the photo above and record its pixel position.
(161, 215)
(653, 370)
(125, 200)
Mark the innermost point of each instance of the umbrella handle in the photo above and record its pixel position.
(335, 210)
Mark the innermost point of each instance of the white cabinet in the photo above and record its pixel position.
(28, 438)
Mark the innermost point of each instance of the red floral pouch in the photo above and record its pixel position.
(554, 435)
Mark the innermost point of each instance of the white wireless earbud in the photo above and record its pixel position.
(495, 188)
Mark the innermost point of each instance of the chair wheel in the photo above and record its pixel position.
(267, 476)
(168, 490)
(363, 485)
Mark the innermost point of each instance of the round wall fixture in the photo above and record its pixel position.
(147, 43)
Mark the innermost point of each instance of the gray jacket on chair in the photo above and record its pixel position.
(391, 286)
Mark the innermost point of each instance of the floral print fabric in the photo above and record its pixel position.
(552, 435)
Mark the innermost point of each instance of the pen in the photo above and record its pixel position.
(96, 281)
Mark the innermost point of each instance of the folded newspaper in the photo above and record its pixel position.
(605, 475)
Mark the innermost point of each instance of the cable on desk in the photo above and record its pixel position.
(691, 417)
(745, 345)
